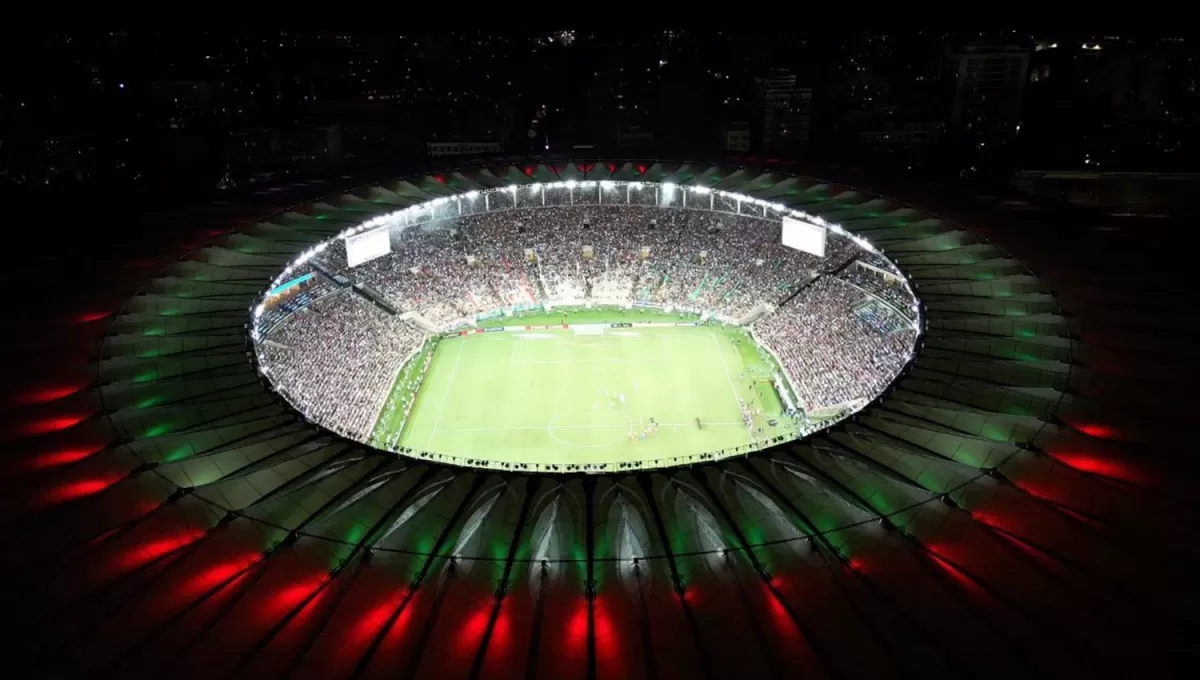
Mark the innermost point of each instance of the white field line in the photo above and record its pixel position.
(445, 395)
(586, 361)
(724, 365)
(576, 427)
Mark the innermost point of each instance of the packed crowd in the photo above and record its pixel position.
(833, 354)
(335, 360)
(881, 317)
(455, 267)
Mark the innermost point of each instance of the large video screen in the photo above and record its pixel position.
(367, 246)
(804, 236)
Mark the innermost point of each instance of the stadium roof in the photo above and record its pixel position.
(165, 512)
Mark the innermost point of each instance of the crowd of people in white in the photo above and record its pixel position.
(454, 267)
(832, 353)
(336, 358)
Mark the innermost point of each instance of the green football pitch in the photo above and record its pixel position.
(555, 397)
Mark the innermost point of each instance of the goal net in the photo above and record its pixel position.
(589, 329)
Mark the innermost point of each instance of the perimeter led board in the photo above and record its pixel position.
(803, 236)
(282, 288)
(367, 246)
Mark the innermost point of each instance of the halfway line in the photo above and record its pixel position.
(575, 427)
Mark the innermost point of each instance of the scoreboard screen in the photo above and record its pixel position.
(804, 236)
(367, 246)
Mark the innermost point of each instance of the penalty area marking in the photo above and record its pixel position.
(724, 365)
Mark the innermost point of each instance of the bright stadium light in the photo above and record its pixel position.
(571, 184)
(472, 195)
(865, 244)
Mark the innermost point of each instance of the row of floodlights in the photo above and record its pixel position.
(394, 217)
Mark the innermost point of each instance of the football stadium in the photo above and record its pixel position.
(585, 325)
(563, 417)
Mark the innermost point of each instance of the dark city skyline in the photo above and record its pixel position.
(149, 112)
(651, 354)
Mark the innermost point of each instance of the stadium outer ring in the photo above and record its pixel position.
(530, 171)
(698, 458)
(969, 331)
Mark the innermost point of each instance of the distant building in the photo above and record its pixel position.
(634, 137)
(269, 149)
(786, 112)
(333, 142)
(989, 86)
(1111, 104)
(915, 137)
(37, 161)
(183, 102)
(366, 139)
(440, 149)
(736, 137)
(254, 147)
(1119, 193)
